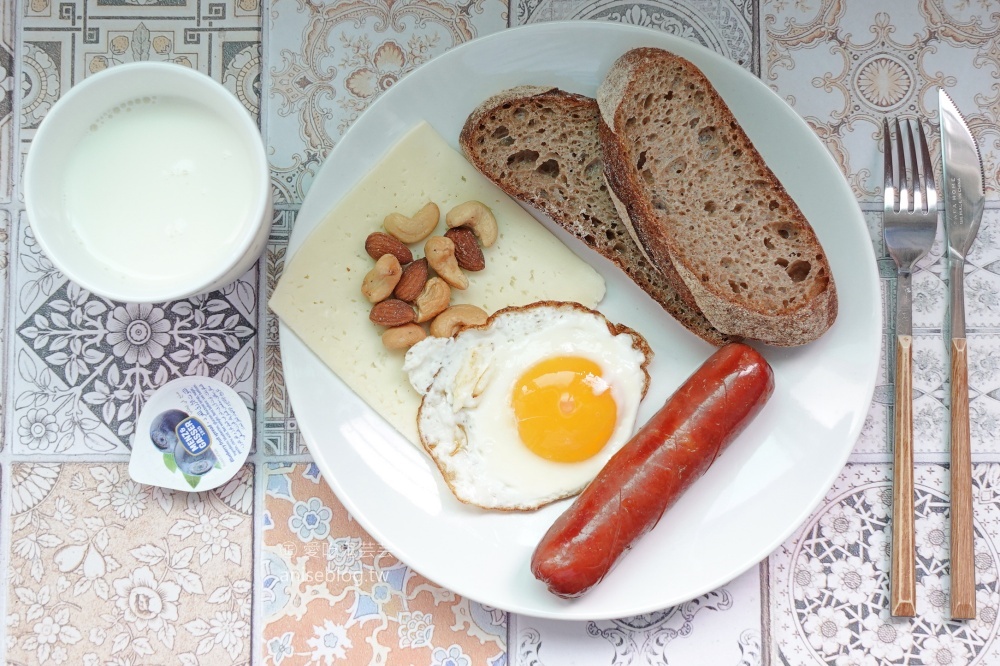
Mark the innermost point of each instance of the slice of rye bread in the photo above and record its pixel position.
(699, 196)
(540, 146)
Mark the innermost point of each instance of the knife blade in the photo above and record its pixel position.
(964, 198)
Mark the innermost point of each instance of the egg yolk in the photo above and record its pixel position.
(564, 409)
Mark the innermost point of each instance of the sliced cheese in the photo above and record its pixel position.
(319, 294)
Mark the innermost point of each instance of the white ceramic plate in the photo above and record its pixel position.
(754, 496)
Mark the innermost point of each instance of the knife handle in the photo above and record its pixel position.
(902, 581)
(963, 569)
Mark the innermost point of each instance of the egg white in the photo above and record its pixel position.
(466, 421)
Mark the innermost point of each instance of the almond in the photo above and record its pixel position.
(379, 243)
(392, 312)
(467, 251)
(413, 281)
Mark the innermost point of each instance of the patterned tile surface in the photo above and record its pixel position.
(722, 627)
(724, 26)
(102, 567)
(90, 364)
(830, 582)
(331, 594)
(8, 38)
(278, 431)
(845, 64)
(328, 62)
(271, 569)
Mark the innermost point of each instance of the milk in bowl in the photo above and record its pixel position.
(159, 196)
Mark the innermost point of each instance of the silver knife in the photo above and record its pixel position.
(964, 197)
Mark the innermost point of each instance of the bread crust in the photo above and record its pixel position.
(743, 292)
(576, 213)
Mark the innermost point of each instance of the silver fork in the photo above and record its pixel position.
(909, 224)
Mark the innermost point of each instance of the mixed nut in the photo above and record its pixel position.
(405, 292)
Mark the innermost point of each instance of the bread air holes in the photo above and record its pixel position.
(726, 262)
(522, 157)
(677, 166)
(709, 206)
(548, 168)
(500, 132)
(784, 230)
(768, 244)
(594, 169)
(798, 270)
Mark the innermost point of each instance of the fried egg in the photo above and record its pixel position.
(527, 408)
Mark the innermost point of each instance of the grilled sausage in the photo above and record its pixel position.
(649, 474)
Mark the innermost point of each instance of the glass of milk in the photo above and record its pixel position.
(148, 182)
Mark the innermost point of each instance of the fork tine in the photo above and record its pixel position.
(928, 170)
(918, 191)
(889, 189)
(904, 193)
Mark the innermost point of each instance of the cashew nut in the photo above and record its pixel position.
(455, 318)
(440, 254)
(478, 217)
(403, 337)
(433, 300)
(381, 280)
(413, 229)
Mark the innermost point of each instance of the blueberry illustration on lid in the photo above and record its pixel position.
(199, 433)
(163, 430)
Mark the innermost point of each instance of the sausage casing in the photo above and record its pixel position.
(649, 474)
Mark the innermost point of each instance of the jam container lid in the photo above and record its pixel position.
(193, 434)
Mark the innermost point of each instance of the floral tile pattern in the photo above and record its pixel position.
(5, 227)
(103, 568)
(8, 38)
(90, 364)
(831, 579)
(333, 595)
(724, 26)
(329, 62)
(278, 431)
(845, 65)
(731, 616)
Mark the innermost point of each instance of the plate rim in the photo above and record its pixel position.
(856, 223)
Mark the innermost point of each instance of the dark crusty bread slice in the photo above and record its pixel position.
(699, 197)
(540, 146)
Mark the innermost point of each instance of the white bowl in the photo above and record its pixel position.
(148, 182)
